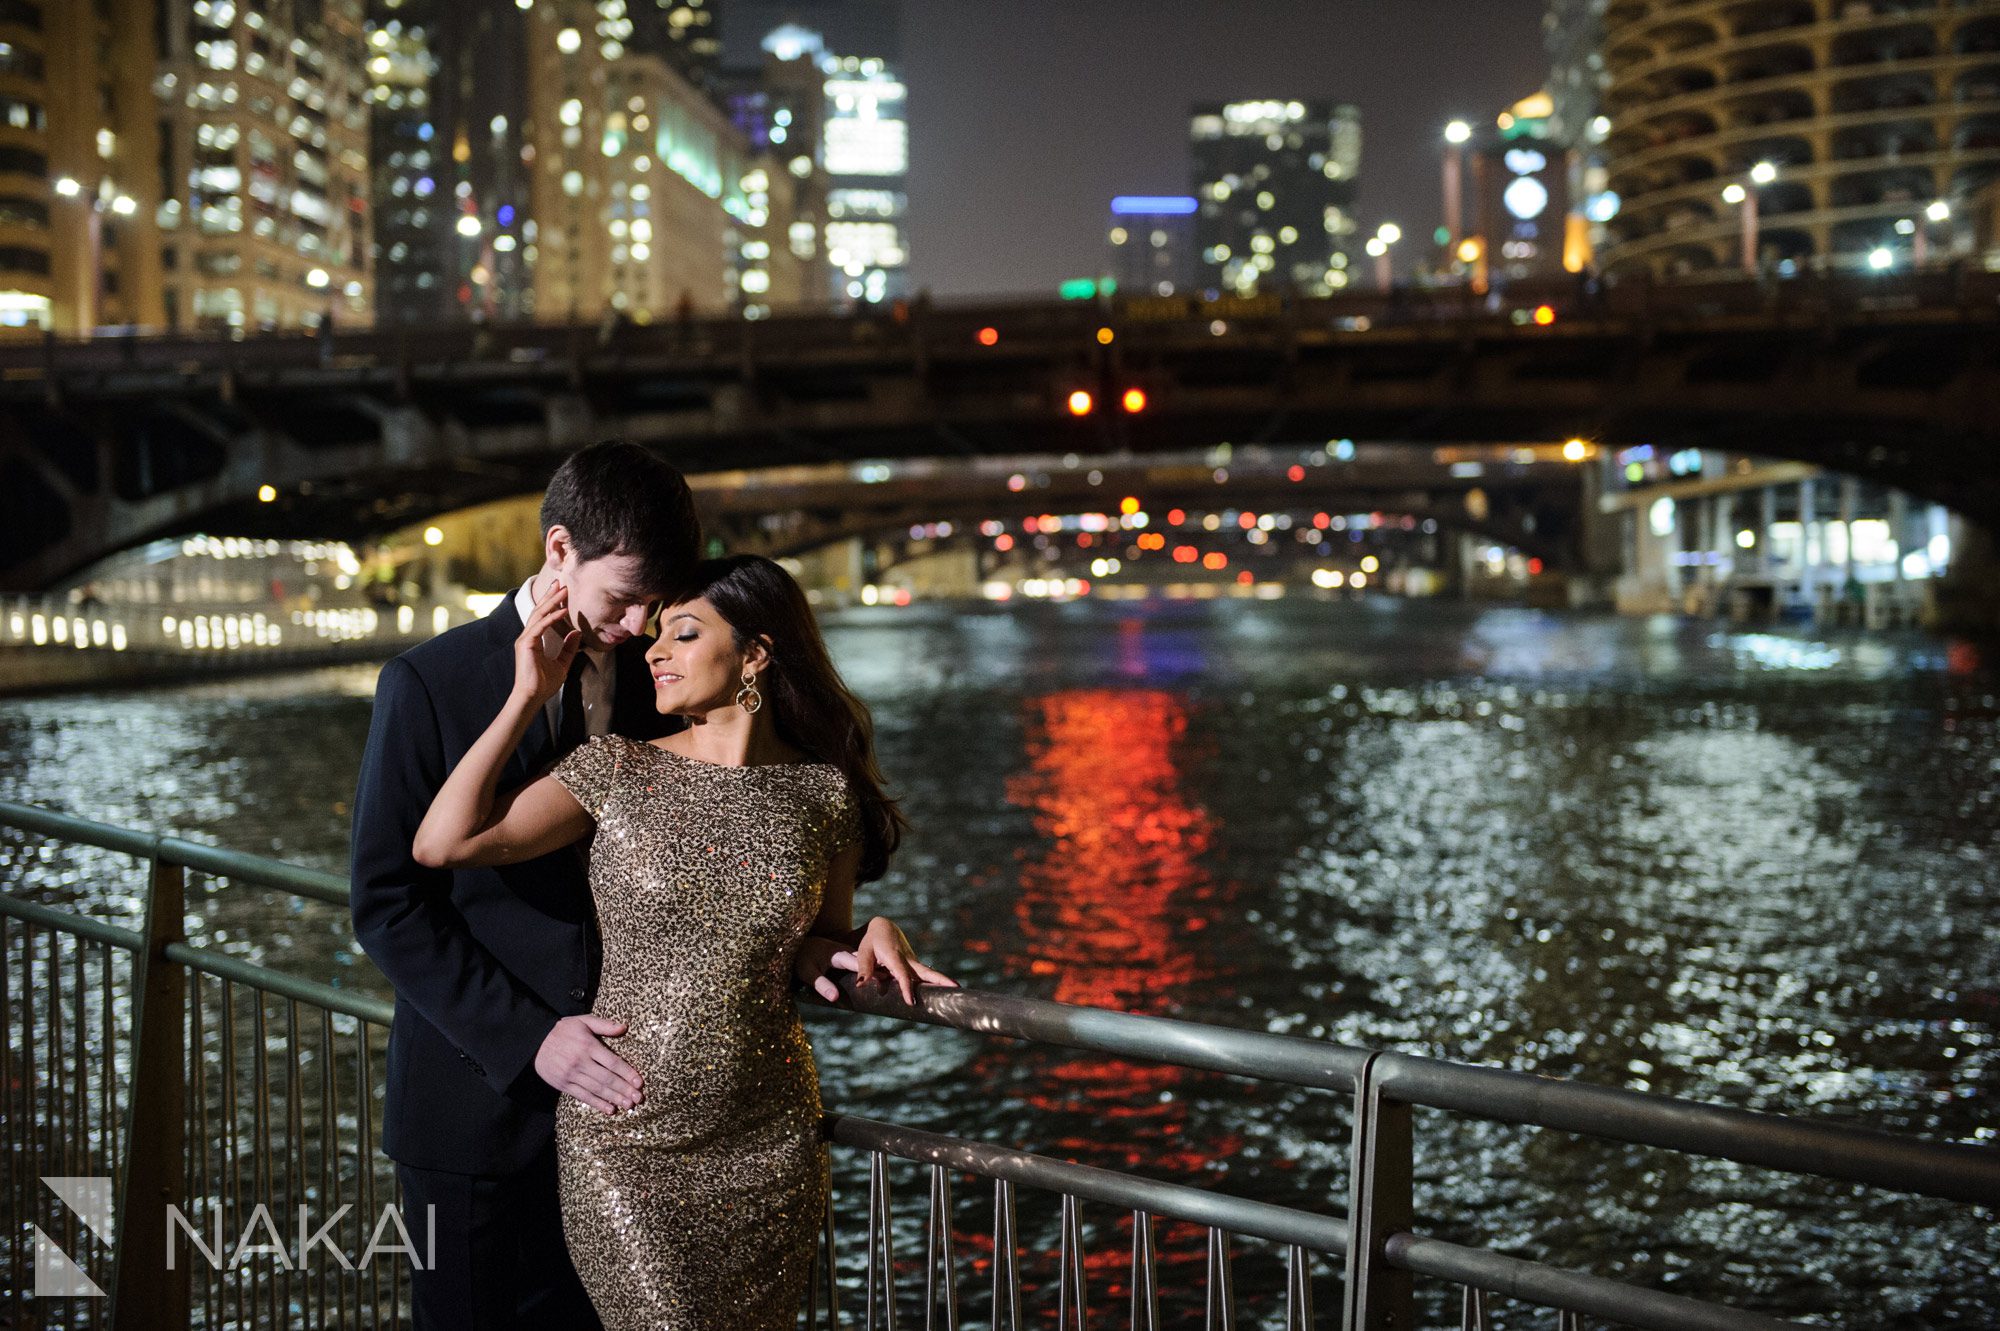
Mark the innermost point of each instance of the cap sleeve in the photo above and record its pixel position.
(589, 770)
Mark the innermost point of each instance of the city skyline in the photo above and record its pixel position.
(1007, 195)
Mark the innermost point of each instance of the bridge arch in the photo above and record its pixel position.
(104, 447)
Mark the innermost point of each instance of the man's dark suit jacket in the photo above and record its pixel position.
(484, 961)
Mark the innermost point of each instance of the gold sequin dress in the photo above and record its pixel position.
(698, 1209)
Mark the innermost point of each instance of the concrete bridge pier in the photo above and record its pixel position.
(1593, 585)
(1967, 598)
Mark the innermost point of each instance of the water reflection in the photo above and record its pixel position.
(1748, 868)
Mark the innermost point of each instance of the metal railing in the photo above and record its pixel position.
(162, 1101)
(207, 1087)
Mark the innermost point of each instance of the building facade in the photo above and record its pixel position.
(780, 109)
(183, 164)
(263, 114)
(80, 176)
(862, 146)
(449, 109)
(1276, 182)
(1152, 243)
(688, 33)
(1795, 135)
(1521, 222)
(647, 199)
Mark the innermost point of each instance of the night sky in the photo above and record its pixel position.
(1028, 115)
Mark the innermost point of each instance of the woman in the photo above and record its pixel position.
(723, 865)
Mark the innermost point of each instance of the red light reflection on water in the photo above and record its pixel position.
(1108, 901)
(1109, 906)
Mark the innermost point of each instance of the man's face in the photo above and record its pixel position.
(608, 597)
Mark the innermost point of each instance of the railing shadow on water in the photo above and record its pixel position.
(235, 1107)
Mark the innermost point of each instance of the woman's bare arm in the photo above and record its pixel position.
(467, 824)
(879, 944)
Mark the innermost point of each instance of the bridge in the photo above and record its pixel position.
(110, 442)
(1527, 498)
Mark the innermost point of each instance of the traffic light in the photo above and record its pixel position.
(1134, 400)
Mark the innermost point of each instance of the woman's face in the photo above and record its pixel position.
(694, 662)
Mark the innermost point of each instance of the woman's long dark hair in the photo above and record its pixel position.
(814, 710)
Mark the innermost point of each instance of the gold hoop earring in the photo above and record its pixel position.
(747, 697)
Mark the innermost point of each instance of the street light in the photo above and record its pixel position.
(1734, 193)
(1456, 135)
(1378, 249)
(1920, 249)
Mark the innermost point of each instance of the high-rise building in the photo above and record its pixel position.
(863, 149)
(183, 164)
(687, 32)
(645, 197)
(448, 112)
(81, 179)
(1520, 223)
(780, 109)
(1153, 243)
(1780, 135)
(1573, 36)
(263, 124)
(1276, 182)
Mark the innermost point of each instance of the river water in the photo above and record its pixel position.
(1750, 868)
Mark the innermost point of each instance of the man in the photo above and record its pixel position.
(495, 969)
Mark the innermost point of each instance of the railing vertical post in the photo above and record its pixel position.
(146, 1296)
(1378, 1296)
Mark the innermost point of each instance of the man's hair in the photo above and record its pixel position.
(616, 498)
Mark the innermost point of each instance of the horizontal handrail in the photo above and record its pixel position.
(1292, 1059)
(313, 883)
(207, 960)
(1953, 1171)
(1168, 1201)
(1553, 1287)
(225, 967)
(48, 917)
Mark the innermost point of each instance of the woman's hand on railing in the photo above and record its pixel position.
(884, 947)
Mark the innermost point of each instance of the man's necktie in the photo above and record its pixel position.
(570, 728)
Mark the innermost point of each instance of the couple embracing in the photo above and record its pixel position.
(593, 865)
